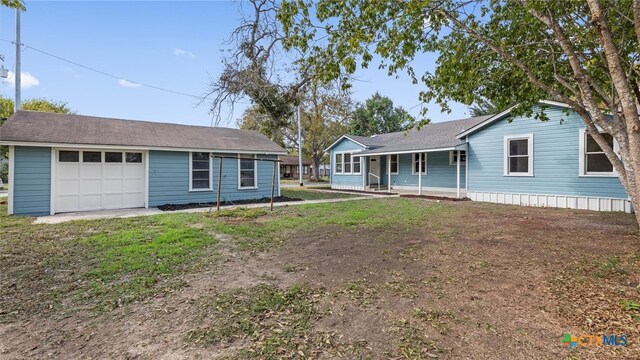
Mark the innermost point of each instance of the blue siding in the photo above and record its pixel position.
(32, 181)
(169, 180)
(556, 159)
(346, 180)
(440, 173)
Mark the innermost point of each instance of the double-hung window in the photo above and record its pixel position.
(247, 172)
(347, 163)
(453, 157)
(419, 163)
(393, 163)
(356, 164)
(338, 164)
(593, 159)
(200, 177)
(518, 158)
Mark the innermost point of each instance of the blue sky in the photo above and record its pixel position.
(173, 45)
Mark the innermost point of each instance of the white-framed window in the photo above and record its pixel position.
(453, 157)
(337, 168)
(346, 163)
(518, 155)
(247, 172)
(199, 171)
(394, 164)
(416, 160)
(593, 161)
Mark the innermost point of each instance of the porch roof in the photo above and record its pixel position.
(433, 137)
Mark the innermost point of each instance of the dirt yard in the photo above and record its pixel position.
(382, 278)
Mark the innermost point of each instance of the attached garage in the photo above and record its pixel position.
(94, 179)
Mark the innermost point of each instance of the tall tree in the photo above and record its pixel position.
(483, 108)
(581, 52)
(325, 111)
(35, 104)
(16, 4)
(378, 116)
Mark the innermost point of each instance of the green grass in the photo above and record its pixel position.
(106, 263)
(314, 194)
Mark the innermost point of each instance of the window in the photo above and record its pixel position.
(113, 157)
(356, 164)
(306, 170)
(518, 155)
(393, 161)
(417, 159)
(338, 164)
(347, 164)
(593, 160)
(453, 157)
(68, 156)
(200, 171)
(91, 156)
(133, 157)
(247, 172)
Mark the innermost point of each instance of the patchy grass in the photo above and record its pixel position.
(314, 193)
(377, 278)
(240, 212)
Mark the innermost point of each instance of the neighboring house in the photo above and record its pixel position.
(67, 163)
(499, 158)
(325, 170)
(289, 167)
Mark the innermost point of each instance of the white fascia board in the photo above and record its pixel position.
(142, 148)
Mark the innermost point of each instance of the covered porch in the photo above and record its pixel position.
(439, 172)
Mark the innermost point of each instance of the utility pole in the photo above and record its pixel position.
(18, 67)
(299, 147)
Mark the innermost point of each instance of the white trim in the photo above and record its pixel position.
(409, 151)
(466, 167)
(555, 201)
(451, 190)
(505, 158)
(452, 152)
(500, 115)
(255, 174)
(191, 189)
(146, 179)
(277, 174)
(582, 170)
(389, 171)
(458, 174)
(413, 163)
(345, 137)
(12, 185)
(53, 188)
(397, 163)
(140, 148)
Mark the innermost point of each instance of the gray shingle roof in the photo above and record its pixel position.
(293, 160)
(40, 127)
(432, 136)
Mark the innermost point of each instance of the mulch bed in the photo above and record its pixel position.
(431, 197)
(173, 207)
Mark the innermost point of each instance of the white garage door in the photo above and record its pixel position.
(98, 179)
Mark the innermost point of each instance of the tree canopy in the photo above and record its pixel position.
(378, 116)
(580, 52)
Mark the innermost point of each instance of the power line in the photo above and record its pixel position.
(106, 73)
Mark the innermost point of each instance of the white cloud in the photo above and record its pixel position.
(183, 52)
(26, 80)
(127, 83)
(72, 72)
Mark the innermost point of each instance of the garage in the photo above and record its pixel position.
(94, 179)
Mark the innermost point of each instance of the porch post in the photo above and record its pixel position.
(419, 173)
(365, 172)
(389, 173)
(458, 173)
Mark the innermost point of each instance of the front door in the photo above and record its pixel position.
(374, 168)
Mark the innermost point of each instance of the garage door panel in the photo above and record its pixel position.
(98, 185)
(68, 187)
(91, 171)
(91, 187)
(68, 171)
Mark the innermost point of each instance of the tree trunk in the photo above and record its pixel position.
(315, 162)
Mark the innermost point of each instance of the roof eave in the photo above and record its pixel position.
(345, 137)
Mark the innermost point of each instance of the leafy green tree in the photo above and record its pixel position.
(483, 108)
(36, 104)
(16, 4)
(580, 52)
(378, 116)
